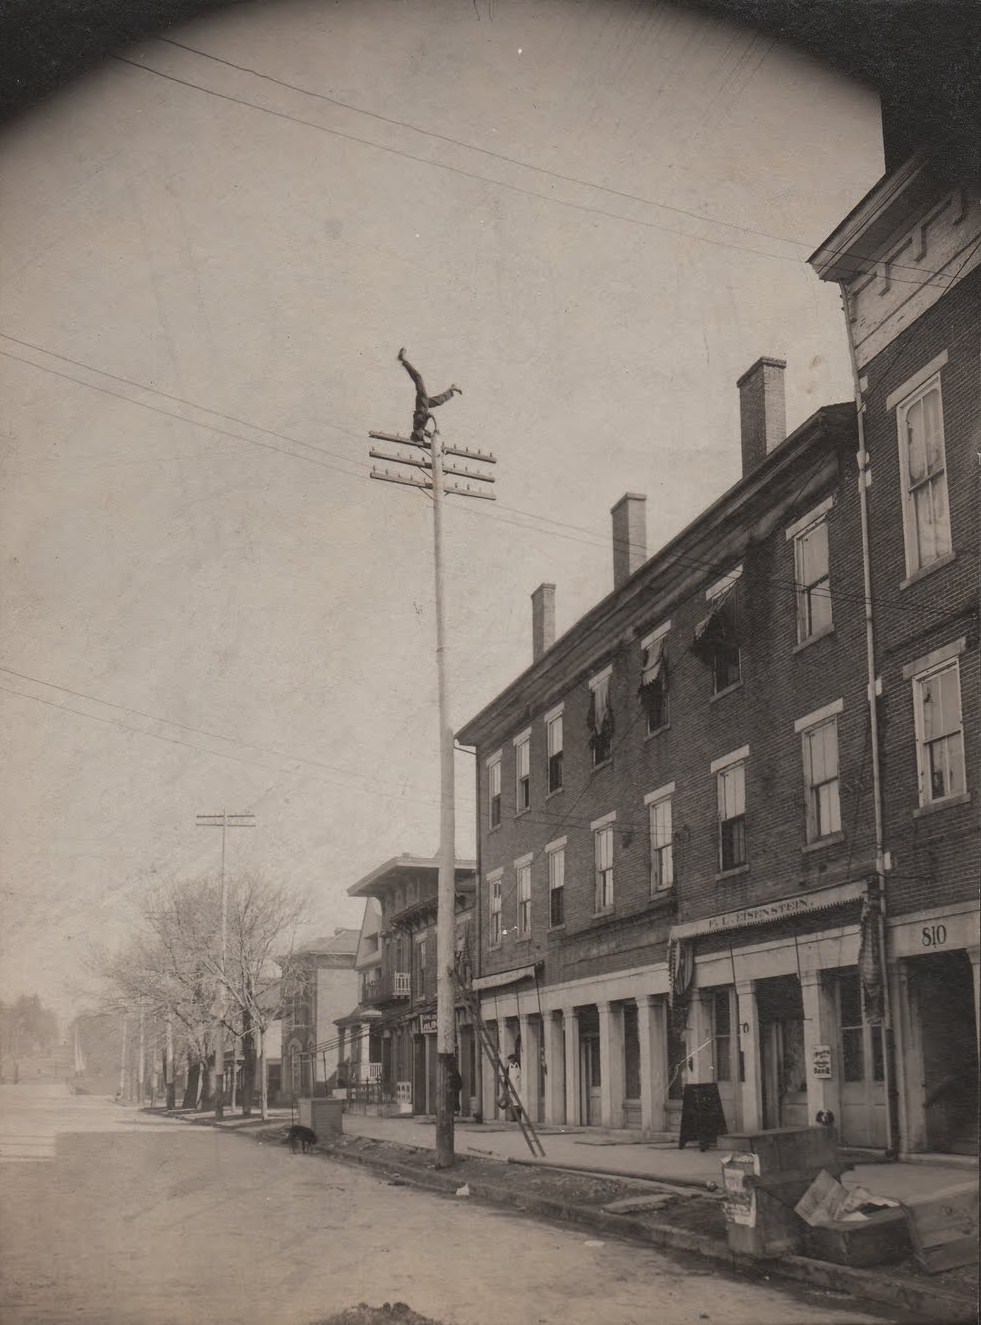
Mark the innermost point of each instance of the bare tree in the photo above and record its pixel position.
(174, 971)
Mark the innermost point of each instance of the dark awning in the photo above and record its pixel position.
(719, 626)
(655, 664)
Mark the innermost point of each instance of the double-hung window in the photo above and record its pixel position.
(554, 741)
(522, 772)
(654, 678)
(495, 897)
(819, 750)
(730, 778)
(923, 467)
(522, 874)
(661, 838)
(600, 717)
(939, 724)
(494, 790)
(555, 855)
(812, 573)
(603, 830)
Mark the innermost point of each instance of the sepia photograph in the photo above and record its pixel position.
(490, 677)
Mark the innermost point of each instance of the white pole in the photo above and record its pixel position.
(446, 887)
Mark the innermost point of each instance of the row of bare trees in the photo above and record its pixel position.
(174, 975)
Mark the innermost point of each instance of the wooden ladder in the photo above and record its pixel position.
(472, 1003)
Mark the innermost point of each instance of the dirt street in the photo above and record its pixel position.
(130, 1219)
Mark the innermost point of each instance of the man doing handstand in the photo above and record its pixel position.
(425, 404)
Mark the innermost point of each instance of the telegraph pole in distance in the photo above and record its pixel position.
(224, 821)
(429, 472)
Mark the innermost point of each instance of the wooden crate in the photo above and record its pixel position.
(880, 1239)
(943, 1227)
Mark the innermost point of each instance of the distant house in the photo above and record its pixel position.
(392, 1032)
(320, 983)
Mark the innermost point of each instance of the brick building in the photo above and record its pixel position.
(908, 259)
(397, 1004)
(687, 765)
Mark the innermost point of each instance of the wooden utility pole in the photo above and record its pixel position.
(429, 473)
(224, 821)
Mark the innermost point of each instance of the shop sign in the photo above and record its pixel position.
(739, 1198)
(821, 1061)
(802, 904)
(427, 1024)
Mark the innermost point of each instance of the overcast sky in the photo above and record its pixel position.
(591, 215)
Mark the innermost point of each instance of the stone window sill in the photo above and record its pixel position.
(832, 840)
(813, 639)
(915, 576)
(723, 876)
(934, 807)
(721, 694)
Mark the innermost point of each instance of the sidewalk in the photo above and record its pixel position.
(622, 1154)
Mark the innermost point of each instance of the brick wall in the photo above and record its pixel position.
(781, 682)
(935, 856)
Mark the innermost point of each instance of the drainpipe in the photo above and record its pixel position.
(864, 479)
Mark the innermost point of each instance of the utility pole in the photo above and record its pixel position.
(224, 821)
(429, 472)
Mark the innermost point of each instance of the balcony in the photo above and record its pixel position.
(385, 987)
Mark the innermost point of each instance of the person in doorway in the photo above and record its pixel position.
(422, 414)
(514, 1082)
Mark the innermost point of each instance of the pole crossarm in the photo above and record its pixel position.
(428, 464)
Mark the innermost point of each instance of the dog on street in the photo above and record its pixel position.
(301, 1138)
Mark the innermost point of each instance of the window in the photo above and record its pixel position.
(812, 580)
(553, 737)
(522, 870)
(730, 772)
(494, 789)
(603, 857)
(819, 736)
(722, 1034)
(496, 923)
(939, 732)
(662, 853)
(859, 1043)
(716, 639)
(654, 679)
(522, 772)
(926, 516)
(600, 717)
(555, 855)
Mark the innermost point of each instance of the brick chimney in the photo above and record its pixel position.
(762, 410)
(629, 536)
(542, 620)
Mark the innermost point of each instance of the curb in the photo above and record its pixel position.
(928, 1301)
(936, 1306)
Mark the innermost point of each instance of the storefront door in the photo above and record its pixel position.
(781, 1013)
(590, 1066)
(944, 996)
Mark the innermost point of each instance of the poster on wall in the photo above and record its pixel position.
(739, 1200)
(821, 1062)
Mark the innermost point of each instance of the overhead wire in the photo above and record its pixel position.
(461, 171)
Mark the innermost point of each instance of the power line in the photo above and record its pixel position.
(484, 179)
(197, 731)
(217, 754)
(540, 524)
(459, 170)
